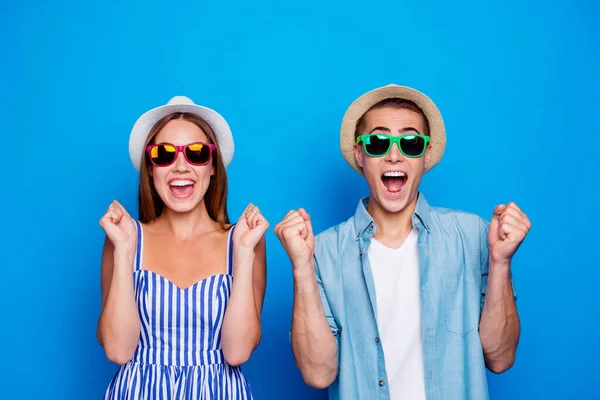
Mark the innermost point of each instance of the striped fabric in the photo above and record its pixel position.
(179, 354)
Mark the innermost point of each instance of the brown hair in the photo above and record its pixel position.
(149, 202)
(397, 103)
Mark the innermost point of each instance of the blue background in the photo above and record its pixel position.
(518, 84)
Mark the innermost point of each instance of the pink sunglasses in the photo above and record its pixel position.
(165, 154)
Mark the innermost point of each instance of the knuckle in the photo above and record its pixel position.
(287, 233)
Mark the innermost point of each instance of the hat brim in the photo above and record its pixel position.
(361, 105)
(146, 122)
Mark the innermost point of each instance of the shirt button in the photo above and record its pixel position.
(376, 340)
(371, 227)
(361, 253)
(381, 383)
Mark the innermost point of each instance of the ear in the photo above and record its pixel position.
(427, 155)
(212, 169)
(358, 154)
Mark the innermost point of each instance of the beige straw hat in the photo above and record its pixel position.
(361, 105)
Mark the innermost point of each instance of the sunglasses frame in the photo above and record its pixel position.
(393, 139)
(180, 149)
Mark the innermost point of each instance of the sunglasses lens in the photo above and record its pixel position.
(377, 145)
(163, 154)
(197, 153)
(412, 146)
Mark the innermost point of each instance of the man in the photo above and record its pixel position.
(403, 300)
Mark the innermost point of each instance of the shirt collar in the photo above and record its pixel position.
(364, 222)
(422, 212)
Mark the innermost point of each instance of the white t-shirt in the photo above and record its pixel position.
(397, 287)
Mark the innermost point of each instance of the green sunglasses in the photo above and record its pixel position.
(379, 145)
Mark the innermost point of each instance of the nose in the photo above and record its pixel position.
(180, 164)
(395, 155)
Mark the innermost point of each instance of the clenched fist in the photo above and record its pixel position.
(250, 228)
(507, 230)
(119, 227)
(296, 235)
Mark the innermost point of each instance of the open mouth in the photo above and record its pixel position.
(182, 187)
(394, 181)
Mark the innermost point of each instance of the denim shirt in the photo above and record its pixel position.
(453, 261)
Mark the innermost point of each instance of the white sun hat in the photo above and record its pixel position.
(146, 122)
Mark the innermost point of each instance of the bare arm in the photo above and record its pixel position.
(119, 325)
(313, 343)
(241, 327)
(499, 328)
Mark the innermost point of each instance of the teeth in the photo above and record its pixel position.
(181, 182)
(395, 174)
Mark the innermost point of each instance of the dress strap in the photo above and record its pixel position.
(140, 247)
(230, 251)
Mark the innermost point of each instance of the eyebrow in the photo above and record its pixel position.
(403, 130)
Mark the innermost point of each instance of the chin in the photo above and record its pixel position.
(182, 199)
(393, 206)
(180, 205)
(394, 202)
(181, 208)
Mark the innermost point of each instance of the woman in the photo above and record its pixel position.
(172, 314)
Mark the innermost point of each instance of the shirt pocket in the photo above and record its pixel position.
(460, 316)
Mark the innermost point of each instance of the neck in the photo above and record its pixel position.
(392, 227)
(187, 225)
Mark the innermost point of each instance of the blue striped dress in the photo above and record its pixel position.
(179, 354)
